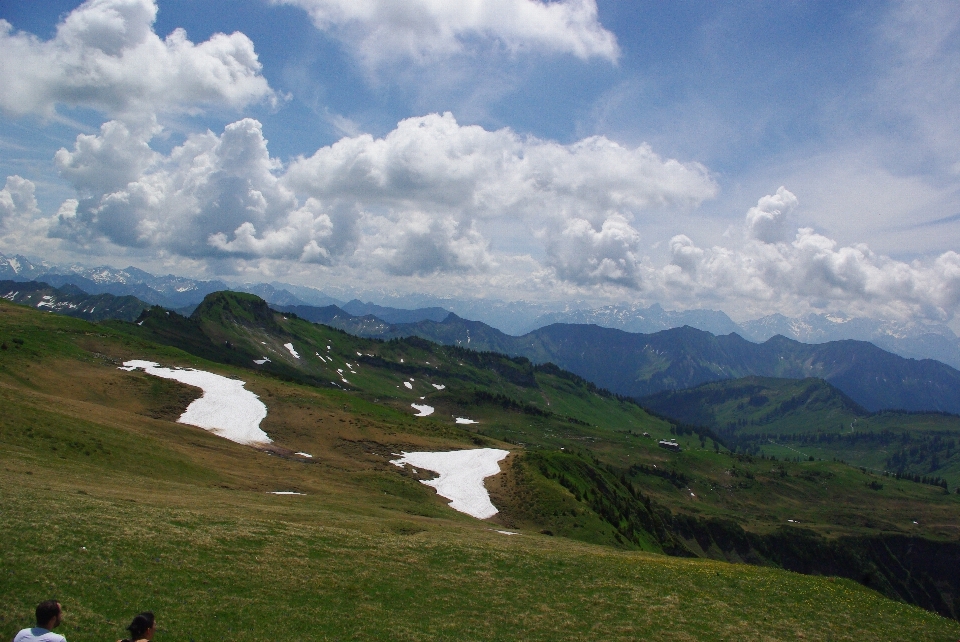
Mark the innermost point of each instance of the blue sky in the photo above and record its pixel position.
(754, 157)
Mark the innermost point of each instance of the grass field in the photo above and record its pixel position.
(112, 507)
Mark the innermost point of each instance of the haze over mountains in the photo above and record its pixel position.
(911, 340)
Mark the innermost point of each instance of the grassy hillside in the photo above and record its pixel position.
(789, 418)
(112, 507)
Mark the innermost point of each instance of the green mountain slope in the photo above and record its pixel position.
(638, 365)
(367, 541)
(810, 418)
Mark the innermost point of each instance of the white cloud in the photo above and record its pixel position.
(580, 254)
(381, 30)
(105, 55)
(433, 163)
(17, 200)
(191, 202)
(767, 221)
(420, 244)
(430, 173)
(413, 203)
(807, 271)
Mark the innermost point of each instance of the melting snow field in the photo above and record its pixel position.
(461, 477)
(464, 420)
(422, 410)
(289, 346)
(226, 408)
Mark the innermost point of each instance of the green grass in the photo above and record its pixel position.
(217, 564)
(177, 520)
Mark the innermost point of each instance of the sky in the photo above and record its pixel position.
(754, 157)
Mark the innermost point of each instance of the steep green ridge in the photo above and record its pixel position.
(810, 418)
(637, 365)
(581, 469)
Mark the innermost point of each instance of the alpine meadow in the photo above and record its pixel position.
(479, 320)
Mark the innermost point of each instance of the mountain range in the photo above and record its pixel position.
(71, 301)
(635, 365)
(907, 339)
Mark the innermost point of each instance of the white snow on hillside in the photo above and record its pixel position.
(461, 475)
(289, 346)
(464, 420)
(226, 408)
(438, 386)
(408, 385)
(422, 410)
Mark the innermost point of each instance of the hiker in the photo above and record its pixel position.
(142, 628)
(49, 616)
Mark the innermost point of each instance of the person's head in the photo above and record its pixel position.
(142, 625)
(49, 614)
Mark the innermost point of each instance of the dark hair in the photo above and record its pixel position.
(140, 625)
(46, 611)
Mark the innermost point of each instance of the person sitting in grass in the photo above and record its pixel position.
(49, 616)
(142, 628)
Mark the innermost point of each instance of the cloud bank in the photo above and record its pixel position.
(105, 55)
(414, 202)
(773, 269)
(422, 30)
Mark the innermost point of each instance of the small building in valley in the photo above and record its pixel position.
(670, 444)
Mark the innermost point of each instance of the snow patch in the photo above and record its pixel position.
(260, 362)
(289, 346)
(464, 420)
(461, 475)
(304, 454)
(438, 386)
(408, 385)
(226, 408)
(422, 410)
(285, 492)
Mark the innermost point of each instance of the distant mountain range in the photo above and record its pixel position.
(630, 364)
(644, 320)
(71, 301)
(912, 340)
(636, 365)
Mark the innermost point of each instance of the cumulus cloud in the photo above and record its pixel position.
(105, 55)
(767, 221)
(432, 162)
(432, 173)
(810, 267)
(210, 196)
(380, 30)
(412, 203)
(421, 244)
(586, 256)
(17, 199)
